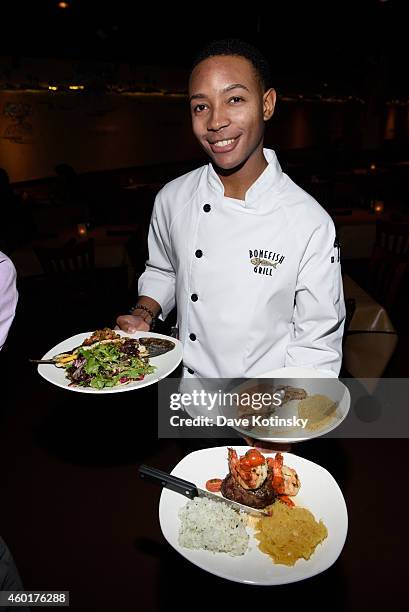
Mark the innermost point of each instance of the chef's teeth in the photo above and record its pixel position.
(224, 143)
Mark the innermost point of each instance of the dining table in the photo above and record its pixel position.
(371, 338)
(356, 227)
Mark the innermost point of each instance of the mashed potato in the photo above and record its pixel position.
(289, 534)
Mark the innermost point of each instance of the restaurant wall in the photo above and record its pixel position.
(316, 125)
(99, 132)
(90, 132)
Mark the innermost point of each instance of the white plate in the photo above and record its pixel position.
(319, 493)
(319, 382)
(165, 364)
(293, 372)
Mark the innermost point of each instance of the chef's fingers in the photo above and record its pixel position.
(268, 447)
(131, 324)
(261, 446)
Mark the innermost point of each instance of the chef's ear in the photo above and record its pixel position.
(269, 102)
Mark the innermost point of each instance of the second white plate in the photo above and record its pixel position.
(314, 382)
(319, 493)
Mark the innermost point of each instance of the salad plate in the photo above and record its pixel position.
(163, 364)
(319, 493)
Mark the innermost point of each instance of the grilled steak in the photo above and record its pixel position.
(256, 498)
(291, 393)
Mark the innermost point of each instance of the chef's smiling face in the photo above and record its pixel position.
(229, 109)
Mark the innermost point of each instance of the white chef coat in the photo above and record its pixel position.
(257, 283)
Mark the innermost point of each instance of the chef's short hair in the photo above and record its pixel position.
(235, 46)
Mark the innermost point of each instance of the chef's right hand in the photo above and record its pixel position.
(268, 447)
(131, 323)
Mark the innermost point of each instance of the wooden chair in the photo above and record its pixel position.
(70, 282)
(87, 296)
(389, 262)
(72, 258)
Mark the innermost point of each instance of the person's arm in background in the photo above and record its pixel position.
(8, 296)
(156, 285)
(319, 311)
(9, 577)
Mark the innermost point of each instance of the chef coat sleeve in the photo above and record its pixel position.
(159, 279)
(319, 310)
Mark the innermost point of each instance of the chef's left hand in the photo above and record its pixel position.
(268, 447)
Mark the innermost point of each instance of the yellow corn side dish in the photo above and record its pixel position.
(289, 534)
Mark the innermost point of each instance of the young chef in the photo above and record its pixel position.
(247, 256)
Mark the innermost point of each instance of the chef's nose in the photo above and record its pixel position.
(217, 119)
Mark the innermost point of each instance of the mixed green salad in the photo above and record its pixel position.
(108, 364)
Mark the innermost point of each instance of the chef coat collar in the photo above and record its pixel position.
(269, 179)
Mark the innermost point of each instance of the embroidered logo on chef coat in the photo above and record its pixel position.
(265, 261)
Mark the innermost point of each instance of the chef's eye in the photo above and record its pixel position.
(236, 99)
(199, 108)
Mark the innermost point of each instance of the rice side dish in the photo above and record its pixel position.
(214, 526)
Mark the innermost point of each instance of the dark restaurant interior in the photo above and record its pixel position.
(94, 121)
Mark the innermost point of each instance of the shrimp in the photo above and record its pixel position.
(250, 471)
(285, 479)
